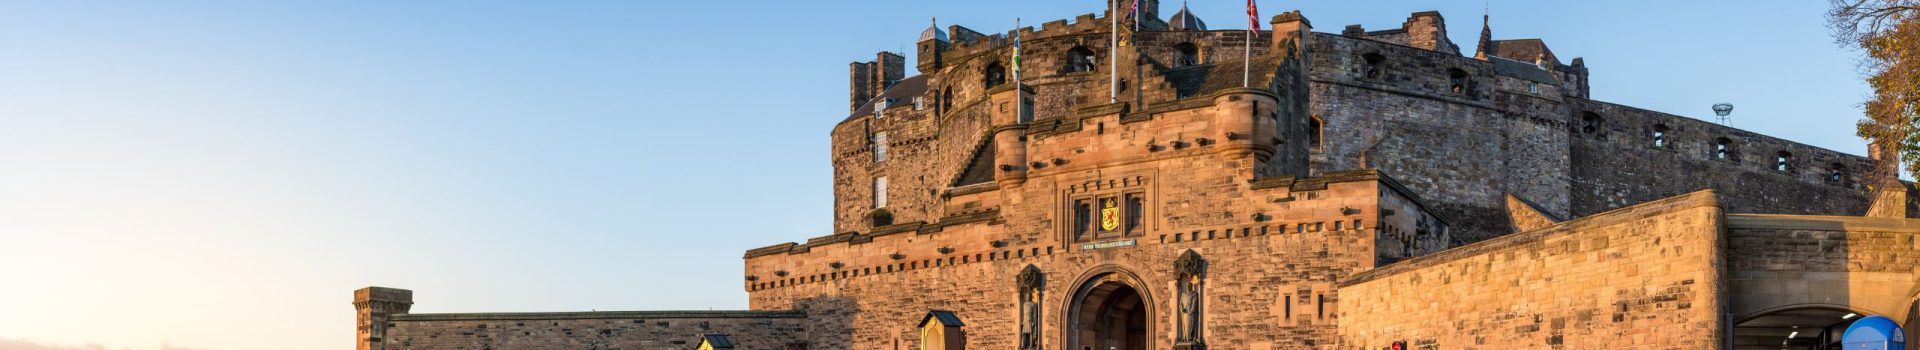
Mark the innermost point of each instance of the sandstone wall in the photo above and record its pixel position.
(1777, 261)
(1643, 277)
(750, 330)
(1270, 278)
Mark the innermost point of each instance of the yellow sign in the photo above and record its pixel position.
(1109, 214)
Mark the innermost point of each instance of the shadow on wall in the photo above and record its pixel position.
(830, 322)
(1799, 281)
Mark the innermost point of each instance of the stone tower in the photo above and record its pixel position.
(373, 305)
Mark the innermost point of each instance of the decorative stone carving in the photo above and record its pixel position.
(1190, 270)
(1031, 283)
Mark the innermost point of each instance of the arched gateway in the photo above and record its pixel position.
(1110, 309)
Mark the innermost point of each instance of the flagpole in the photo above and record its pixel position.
(1113, 52)
(1018, 107)
(1253, 28)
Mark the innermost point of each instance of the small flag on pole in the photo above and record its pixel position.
(1253, 18)
(1253, 31)
(1133, 14)
(1016, 49)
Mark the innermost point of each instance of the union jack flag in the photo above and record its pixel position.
(1253, 18)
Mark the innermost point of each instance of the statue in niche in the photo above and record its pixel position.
(1030, 283)
(1189, 270)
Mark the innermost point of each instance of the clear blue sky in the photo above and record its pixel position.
(222, 174)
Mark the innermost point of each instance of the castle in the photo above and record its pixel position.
(1176, 187)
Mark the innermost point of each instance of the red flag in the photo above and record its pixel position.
(1253, 18)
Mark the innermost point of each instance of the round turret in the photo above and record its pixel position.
(1185, 20)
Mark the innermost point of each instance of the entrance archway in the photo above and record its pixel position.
(1109, 311)
(1797, 327)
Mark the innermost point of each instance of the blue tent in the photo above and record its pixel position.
(1874, 333)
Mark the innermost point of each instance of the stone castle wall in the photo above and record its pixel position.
(1868, 264)
(1643, 277)
(750, 330)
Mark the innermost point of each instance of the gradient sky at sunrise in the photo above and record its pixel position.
(222, 174)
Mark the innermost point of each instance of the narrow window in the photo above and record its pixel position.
(1026, 110)
(1457, 81)
(1314, 130)
(880, 192)
(1837, 174)
(1722, 148)
(1289, 312)
(994, 75)
(919, 103)
(1082, 218)
(1533, 88)
(1376, 66)
(880, 108)
(1659, 136)
(1783, 161)
(1136, 208)
(879, 146)
(1186, 54)
(1080, 59)
(946, 100)
(1322, 303)
(1589, 123)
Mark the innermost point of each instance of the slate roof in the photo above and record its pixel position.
(718, 341)
(901, 92)
(946, 318)
(1185, 20)
(1523, 50)
(1522, 70)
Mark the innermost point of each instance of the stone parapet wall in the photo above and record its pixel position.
(750, 330)
(1642, 277)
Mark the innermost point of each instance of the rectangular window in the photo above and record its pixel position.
(1533, 87)
(1136, 212)
(1323, 306)
(880, 192)
(919, 104)
(879, 146)
(1082, 218)
(1289, 307)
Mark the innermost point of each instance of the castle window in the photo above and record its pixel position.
(880, 107)
(1782, 162)
(1589, 122)
(1659, 136)
(1136, 210)
(1837, 174)
(1314, 130)
(1082, 218)
(1376, 66)
(879, 146)
(1533, 88)
(1186, 54)
(995, 75)
(1322, 305)
(946, 100)
(1026, 110)
(880, 192)
(1080, 59)
(1722, 148)
(1457, 81)
(919, 104)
